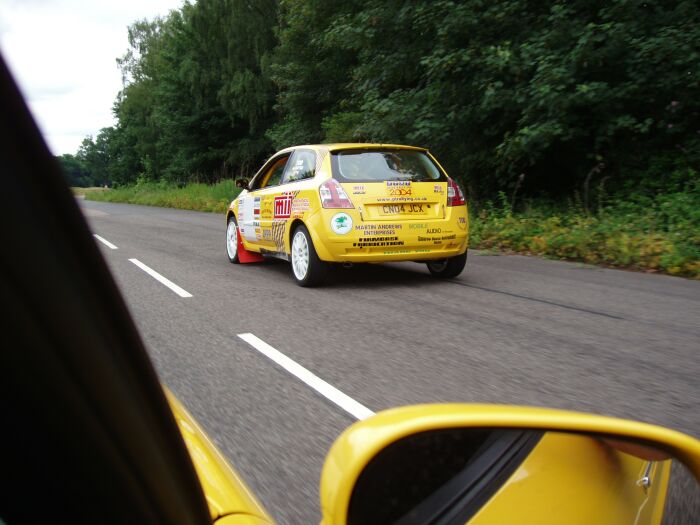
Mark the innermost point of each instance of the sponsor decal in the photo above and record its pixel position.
(418, 226)
(283, 207)
(436, 240)
(399, 192)
(402, 199)
(393, 183)
(378, 229)
(379, 239)
(246, 208)
(371, 243)
(300, 205)
(256, 208)
(341, 223)
(266, 208)
(462, 222)
(378, 226)
(267, 233)
(438, 189)
(433, 230)
(278, 229)
(359, 189)
(298, 170)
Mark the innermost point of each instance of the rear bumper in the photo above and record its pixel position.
(386, 241)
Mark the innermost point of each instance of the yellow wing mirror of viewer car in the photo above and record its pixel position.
(489, 464)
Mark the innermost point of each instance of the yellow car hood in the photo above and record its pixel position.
(228, 497)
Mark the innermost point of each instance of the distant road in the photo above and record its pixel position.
(510, 329)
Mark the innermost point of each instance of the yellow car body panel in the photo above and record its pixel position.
(362, 441)
(228, 497)
(389, 222)
(577, 480)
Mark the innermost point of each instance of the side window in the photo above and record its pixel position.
(301, 166)
(273, 176)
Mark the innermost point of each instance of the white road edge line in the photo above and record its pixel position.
(331, 393)
(158, 277)
(105, 242)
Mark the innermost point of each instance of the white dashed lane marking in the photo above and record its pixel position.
(105, 242)
(158, 277)
(328, 391)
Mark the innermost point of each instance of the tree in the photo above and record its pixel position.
(75, 172)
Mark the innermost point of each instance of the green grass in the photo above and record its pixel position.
(200, 197)
(84, 191)
(659, 233)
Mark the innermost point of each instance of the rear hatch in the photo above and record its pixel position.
(391, 185)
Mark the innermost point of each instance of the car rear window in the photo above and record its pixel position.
(384, 165)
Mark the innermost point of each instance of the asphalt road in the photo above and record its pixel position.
(510, 329)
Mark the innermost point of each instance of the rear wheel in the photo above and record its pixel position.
(232, 240)
(448, 268)
(307, 269)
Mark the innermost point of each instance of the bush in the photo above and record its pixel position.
(648, 232)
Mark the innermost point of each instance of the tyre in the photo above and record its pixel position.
(448, 268)
(232, 240)
(307, 269)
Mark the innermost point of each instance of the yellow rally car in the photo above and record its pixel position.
(350, 203)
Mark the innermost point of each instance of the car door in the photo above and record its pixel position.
(300, 167)
(256, 208)
(267, 210)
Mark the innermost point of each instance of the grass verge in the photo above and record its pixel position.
(655, 234)
(84, 191)
(200, 197)
(658, 234)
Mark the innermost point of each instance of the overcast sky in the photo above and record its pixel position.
(62, 53)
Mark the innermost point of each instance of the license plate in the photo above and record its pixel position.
(403, 209)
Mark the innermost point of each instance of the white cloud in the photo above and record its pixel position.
(63, 54)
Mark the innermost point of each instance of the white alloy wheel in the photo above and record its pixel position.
(232, 240)
(300, 255)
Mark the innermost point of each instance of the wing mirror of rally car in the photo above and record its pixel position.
(242, 183)
(485, 464)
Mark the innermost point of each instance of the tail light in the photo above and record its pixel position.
(455, 197)
(333, 195)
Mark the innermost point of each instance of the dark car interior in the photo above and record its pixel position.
(87, 433)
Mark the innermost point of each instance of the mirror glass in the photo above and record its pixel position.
(488, 476)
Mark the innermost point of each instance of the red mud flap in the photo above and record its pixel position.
(244, 256)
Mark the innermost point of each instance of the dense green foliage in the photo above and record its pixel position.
(552, 97)
(90, 165)
(75, 171)
(656, 233)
